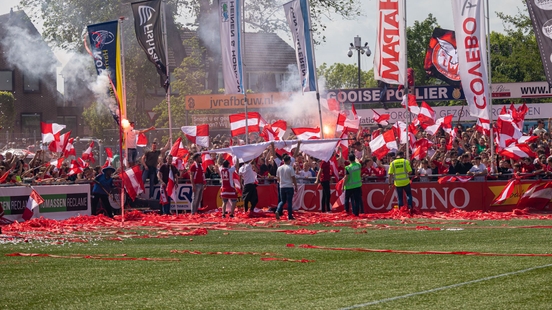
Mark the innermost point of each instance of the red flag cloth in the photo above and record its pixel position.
(517, 151)
(507, 191)
(59, 143)
(345, 124)
(344, 144)
(268, 134)
(207, 161)
(381, 145)
(237, 183)
(69, 149)
(483, 126)
(34, 201)
(412, 105)
(178, 150)
(56, 162)
(537, 196)
(506, 130)
(4, 177)
(340, 201)
(141, 140)
(305, 133)
(49, 130)
(109, 159)
(279, 127)
(426, 115)
(237, 123)
(87, 155)
(171, 185)
(163, 200)
(200, 134)
(382, 119)
(421, 148)
(132, 181)
(75, 167)
(333, 104)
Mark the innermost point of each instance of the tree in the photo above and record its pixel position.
(340, 75)
(7, 111)
(99, 120)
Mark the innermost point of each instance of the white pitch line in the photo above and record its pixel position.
(444, 287)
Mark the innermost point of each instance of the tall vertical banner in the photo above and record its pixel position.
(297, 15)
(149, 32)
(471, 44)
(390, 52)
(541, 16)
(230, 41)
(104, 39)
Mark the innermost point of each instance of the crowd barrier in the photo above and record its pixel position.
(64, 201)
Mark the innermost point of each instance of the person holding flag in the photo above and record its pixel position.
(131, 135)
(399, 171)
(227, 189)
(169, 184)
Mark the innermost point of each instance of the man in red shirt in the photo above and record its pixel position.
(197, 178)
(323, 177)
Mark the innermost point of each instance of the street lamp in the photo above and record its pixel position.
(361, 49)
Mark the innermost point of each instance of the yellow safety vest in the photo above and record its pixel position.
(399, 169)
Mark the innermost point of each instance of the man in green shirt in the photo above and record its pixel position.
(353, 185)
(399, 169)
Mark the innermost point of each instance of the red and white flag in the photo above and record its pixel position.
(274, 131)
(200, 134)
(483, 126)
(178, 150)
(55, 162)
(381, 119)
(421, 148)
(528, 139)
(426, 115)
(506, 192)
(344, 144)
(237, 183)
(305, 133)
(109, 159)
(507, 130)
(206, 161)
(59, 143)
(443, 122)
(69, 149)
(268, 134)
(237, 123)
(454, 178)
(390, 51)
(75, 167)
(4, 177)
(163, 200)
(334, 167)
(87, 155)
(472, 55)
(520, 115)
(383, 144)
(141, 140)
(34, 201)
(537, 196)
(132, 181)
(171, 185)
(49, 130)
(331, 104)
(340, 201)
(345, 124)
(517, 151)
(412, 105)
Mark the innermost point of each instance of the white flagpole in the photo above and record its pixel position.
(242, 43)
(123, 114)
(406, 88)
(489, 90)
(166, 44)
(315, 73)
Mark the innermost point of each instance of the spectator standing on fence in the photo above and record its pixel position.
(163, 176)
(540, 128)
(131, 135)
(323, 177)
(101, 191)
(197, 178)
(150, 160)
(249, 180)
(352, 184)
(399, 171)
(288, 183)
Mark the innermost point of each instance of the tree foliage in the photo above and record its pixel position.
(340, 76)
(7, 110)
(98, 119)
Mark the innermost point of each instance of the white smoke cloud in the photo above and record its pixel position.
(101, 88)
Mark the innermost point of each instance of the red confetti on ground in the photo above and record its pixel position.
(287, 260)
(221, 253)
(308, 246)
(96, 256)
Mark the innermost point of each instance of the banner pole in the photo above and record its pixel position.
(166, 46)
(489, 90)
(406, 88)
(242, 43)
(123, 102)
(122, 166)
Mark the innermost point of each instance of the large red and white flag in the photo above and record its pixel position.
(411, 102)
(109, 159)
(274, 131)
(206, 161)
(34, 201)
(506, 192)
(59, 143)
(55, 162)
(483, 126)
(171, 185)
(69, 149)
(49, 130)
(471, 45)
(87, 154)
(537, 196)
(345, 124)
(383, 144)
(390, 51)
(517, 151)
(237, 123)
(132, 181)
(141, 140)
(507, 130)
(421, 148)
(199, 134)
(76, 167)
(381, 119)
(305, 133)
(426, 115)
(178, 150)
(344, 144)
(443, 122)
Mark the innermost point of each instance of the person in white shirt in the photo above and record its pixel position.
(288, 186)
(478, 170)
(131, 135)
(249, 180)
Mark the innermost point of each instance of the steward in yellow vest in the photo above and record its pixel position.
(399, 171)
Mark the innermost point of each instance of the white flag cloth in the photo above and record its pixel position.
(470, 34)
(390, 54)
(230, 40)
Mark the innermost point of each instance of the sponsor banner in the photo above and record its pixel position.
(297, 15)
(470, 34)
(372, 95)
(230, 40)
(104, 47)
(540, 12)
(263, 100)
(60, 201)
(149, 33)
(441, 60)
(376, 197)
(536, 111)
(521, 90)
(390, 51)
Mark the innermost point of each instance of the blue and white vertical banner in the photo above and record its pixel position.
(230, 40)
(471, 44)
(297, 15)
